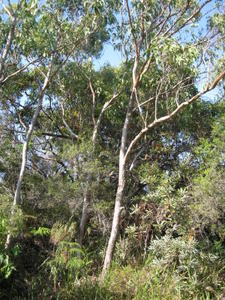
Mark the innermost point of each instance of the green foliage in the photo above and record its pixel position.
(62, 232)
(6, 267)
(8, 223)
(208, 189)
(175, 269)
(12, 222)
(41, 231)
(69, 264)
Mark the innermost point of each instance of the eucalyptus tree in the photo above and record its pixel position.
(81, 98)
(169, 59)
(67, 91)
(9, 23)
(43, 36)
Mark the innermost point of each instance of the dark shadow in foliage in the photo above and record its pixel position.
(89, 291)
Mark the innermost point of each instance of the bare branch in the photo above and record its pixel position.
(28, 136)
(19, 117)
(158, 90)
(132, 165)
(107, 105)
(188, 19)
(66, 124)
(139, 108)
(93, 101)
(174, 113)
(164, 22)
(163, 93)
(177, 96)
(19, 71)
(6, 49)
(132, 29)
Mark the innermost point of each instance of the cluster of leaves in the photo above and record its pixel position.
(13, 224)
(174, 269)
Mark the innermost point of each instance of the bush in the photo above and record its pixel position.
(176, 268)
(8, 223)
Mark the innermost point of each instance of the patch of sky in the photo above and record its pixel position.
(110, 56)
(113, 57)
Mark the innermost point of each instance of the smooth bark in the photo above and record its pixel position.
(16, 200)
(27, 140)
(10, 37)
(123, 159)
(120, 190)
(96, 123)
(122, 167)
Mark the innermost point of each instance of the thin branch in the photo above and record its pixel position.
(208, 65)
(174, 113)
(177, 96)
(132, 165)
(55, 135)
(145, 66)
(19, 71)
(106, 106)
(164, 22)
(20, 118)
(158, 17)
(10, 37)
(188, 19)
(65, 123)
(158, 91)
(60, 162)
(139, 107)
(132, 29)
(163, 93)
(93, 101)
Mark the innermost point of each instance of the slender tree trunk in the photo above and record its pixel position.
(22, 168)
(120, 190)
(86, 202)
(10, 38)
(86, 199)
(122, 174)
(7, 46)
(116, 221)
(26, 143)
(96, 123)
(25, 148)
(16, 200)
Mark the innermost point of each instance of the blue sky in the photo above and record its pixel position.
(113, 57)
(109, 56)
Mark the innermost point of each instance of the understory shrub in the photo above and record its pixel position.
(176, 268)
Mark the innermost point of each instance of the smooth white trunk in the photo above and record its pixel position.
(120, 191)
(24, 152)
(122, 175)
(115, 225)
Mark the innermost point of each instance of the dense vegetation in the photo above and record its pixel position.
(112, 179)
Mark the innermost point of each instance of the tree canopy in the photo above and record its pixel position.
(113, 170)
